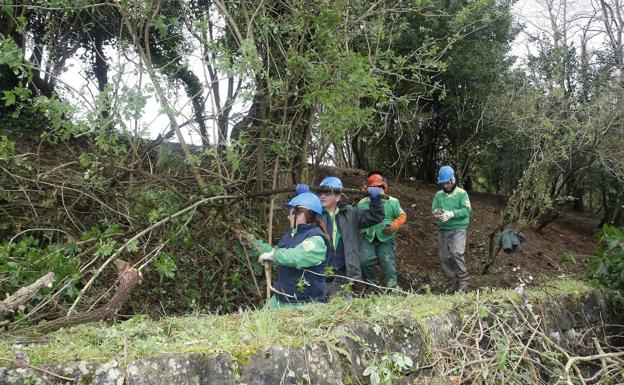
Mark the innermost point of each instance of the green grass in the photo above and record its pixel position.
(242, 334)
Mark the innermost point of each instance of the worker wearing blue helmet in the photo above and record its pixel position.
(300, 255)
(344, 222)
(451, 209)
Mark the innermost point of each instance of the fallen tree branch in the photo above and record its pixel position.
(8, 305)
(192, 207)
(572, 361)
(129, 278)
(137, 236)
(549, 340)
(49, 373)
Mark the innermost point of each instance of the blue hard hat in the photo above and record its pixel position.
(331, 181)
(307, 200)
(446, 173)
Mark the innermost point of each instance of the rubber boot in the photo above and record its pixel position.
(451, 287)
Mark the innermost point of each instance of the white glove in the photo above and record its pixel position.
(446, 215)
(266, 257)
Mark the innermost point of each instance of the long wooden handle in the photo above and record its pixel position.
(315, 189)
(267, 274)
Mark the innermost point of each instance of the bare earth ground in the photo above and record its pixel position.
(544, 255)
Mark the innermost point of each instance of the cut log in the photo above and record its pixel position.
(18, 298)
(129, 278)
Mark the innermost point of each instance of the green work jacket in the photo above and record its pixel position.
(392, 209)
(457, 202)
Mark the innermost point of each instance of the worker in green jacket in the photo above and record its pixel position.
(451, 209)
(300, 255)
(343, 224)
(378, 240)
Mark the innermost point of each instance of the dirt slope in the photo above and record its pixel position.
(543, 257)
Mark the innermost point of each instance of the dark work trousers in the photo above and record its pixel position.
(334, 284)
(451, 248)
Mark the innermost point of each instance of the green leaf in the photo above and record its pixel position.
(106, 248)
(165, 266)
(133, 246)
(85, 159)
(9, 98)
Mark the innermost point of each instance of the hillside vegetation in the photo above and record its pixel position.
(143, 132)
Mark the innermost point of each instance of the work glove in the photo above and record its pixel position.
(446, 215)
(266, 257)
(301, 188)
(373, 193)
(388, 230)
(396, 224)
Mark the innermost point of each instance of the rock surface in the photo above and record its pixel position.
(341, 362)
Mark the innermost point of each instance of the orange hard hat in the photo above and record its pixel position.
(376, 180)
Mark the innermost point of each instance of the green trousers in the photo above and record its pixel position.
(385, 254)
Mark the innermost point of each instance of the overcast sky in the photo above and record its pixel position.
(153, 122)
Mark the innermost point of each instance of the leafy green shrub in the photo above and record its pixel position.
(389, 369)
(608, 267)
(25, 260)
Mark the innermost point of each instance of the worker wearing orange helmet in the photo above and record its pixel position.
(378, 240)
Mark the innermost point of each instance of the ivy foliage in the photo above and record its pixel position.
(608, 268)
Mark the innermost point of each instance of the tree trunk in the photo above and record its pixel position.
(492, 255)
(260, 165)
(547, 219)
(341, 161)
(194, 88)
(100, 70)
(8, 79)
(254, 115)
(360, 153)
(299, 171)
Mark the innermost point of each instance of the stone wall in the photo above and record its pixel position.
(337, 362)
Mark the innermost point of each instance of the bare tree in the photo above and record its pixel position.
(610, 14)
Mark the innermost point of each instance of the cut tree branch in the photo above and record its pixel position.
(9, 305)
(129, 278)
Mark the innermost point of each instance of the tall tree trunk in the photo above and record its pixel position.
(341, 161)
(194, 88)
(299, 170)
(360, 152)
(100, 70)
(8, 27)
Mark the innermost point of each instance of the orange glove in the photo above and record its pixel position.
(395, 224)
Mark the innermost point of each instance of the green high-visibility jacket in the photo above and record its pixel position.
(310, 252)
(457, 202)
(392, 209)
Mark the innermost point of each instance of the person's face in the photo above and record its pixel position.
(329, 200)
(296, 218)
(292, 217)
(448, 185)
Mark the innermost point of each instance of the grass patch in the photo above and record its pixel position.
(242, 334)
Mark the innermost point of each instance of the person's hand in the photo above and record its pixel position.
(244, 236)
(249, 238)
(446, 215)
(301, 188)
(373, 193)
(266, 257)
